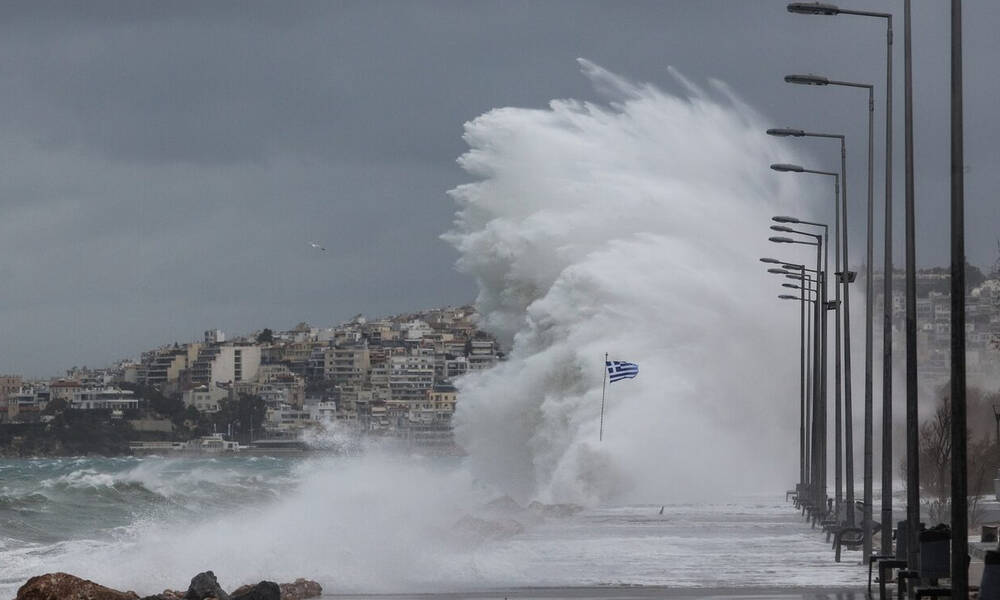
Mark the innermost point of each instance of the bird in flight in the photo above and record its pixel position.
(317, 246)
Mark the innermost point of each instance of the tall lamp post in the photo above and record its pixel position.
(845, 279)
(819, 387)
(840, 233)
(819, 80)
(817, 8)
(806, 377)
(847, 404)
(959, 479)
(803, 472)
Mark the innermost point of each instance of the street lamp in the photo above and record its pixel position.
(869, 328)
(844, 280)
(912, 509)
(819, 355)
(813, 8)
(840, 233)
(959, 466)
(805, 337)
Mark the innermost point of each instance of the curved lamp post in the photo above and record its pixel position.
(842, 379)
(803, 358)
(912, 510)
(818, 453)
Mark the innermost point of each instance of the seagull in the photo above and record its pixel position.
(317, 246)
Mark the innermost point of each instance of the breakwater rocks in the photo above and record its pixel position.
(204, 586)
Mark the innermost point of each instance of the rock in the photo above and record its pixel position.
(63, 586)
(300, 589)
(205, 585)
(265, 590)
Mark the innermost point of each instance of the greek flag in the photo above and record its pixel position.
(619, 369)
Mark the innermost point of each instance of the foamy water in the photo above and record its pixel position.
(284, 519)
(630, 227)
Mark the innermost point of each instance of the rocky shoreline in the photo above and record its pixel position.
(204, 586)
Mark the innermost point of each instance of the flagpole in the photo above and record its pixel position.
(604, 385)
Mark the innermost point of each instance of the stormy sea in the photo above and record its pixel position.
(629, 226)
(380, 525)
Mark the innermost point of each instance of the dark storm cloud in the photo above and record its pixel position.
(164, 164)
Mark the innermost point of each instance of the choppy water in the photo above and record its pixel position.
(379, 525)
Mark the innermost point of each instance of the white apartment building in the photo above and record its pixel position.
(226, 363)
(104, 398)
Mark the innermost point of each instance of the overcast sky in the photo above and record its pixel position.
(163, 165)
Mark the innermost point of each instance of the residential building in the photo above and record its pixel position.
(104, 398)
(205, 398)
(226, 363)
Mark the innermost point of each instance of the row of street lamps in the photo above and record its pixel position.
(813, 289)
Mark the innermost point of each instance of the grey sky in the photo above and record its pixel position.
(163, 166)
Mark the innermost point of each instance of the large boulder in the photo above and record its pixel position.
(205, 585)
(300, 589)
(265, 590)
(63, 586)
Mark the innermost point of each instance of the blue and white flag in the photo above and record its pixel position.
(619, 369)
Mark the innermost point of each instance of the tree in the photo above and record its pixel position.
(973, 276)
(245, 415)
(55, 407)
(266, 336)
(935, 461)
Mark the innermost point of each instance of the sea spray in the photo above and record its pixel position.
(631, 228)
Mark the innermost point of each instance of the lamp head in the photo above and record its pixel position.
(788, 297)
(790, 285)
(809, 79)
(772, 261)
(781, 240)
(782, 229)
(787, 168)
(793, 267)
(812, 8)
(786, 219)
(786, 132)
(778, 271)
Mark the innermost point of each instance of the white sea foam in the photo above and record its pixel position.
(631, 227)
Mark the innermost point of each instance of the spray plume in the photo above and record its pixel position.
(631, 228)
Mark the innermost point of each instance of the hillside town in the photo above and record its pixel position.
(390, 377)
(933, 312)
